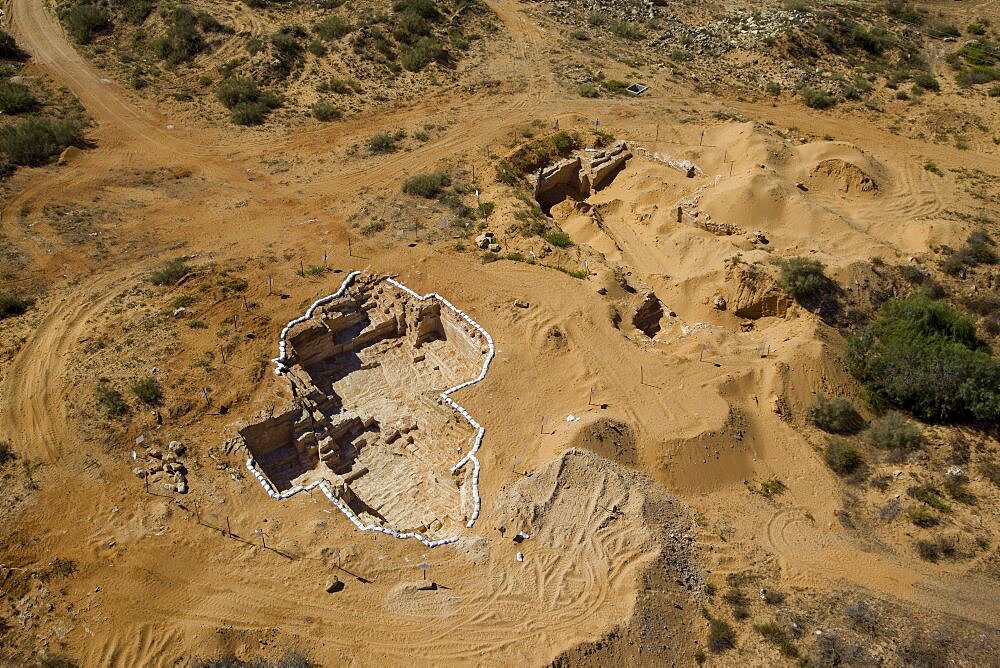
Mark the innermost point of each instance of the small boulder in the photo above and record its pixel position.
(333, 585)
(181, 487)
(719, 302)
(139, 473)
(177, 447)
(493, 248)
(520, 303)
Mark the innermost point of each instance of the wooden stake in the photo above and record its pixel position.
(657, 132)
(246, 306)
(146, 479)
(223, 351)
(302, 268)
(270, 282)
(349, 252)
(204, 391)
(236, 322)
(229, 529)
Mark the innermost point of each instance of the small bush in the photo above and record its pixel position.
(326, 111)
(136, 11)
(182, 41)
(773, 88)
(927, 81)
(816, 98)
(627, 30)
(8, 47)
(244, 99)
(6, 453)
(110, 400)
(249, 113)
(928, 550)
(37, 141)
(428, 185)
(922, 517)
(842, 457)
(803, 278)
(332, 28)
(588, 90)
(893, 431)
(148, 390)
(84, 22)
(423, 53)
(720, 636)
(559, 239)
(16, 98)
(776, 635)
(169, 273)
(930, 496)
(835, 416)
(11, 304)
(381, 143)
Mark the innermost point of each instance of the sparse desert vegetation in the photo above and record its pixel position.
(593, 333)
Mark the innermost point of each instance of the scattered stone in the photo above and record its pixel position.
(181, 487)
(519, 303)
(333, 585)
(154, 453)
(520, 556)
(493, 248)
(177, 447)
(139, 473)
(719, 302)
(602, 291)
(179, 311)
(801, 186)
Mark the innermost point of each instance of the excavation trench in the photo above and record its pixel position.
(366, 373)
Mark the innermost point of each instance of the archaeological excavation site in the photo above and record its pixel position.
(370, 421)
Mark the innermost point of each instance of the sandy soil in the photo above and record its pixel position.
(630, 461)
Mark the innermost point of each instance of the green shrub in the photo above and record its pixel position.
(924, 356)
(36, 141)
(11, 304)
(249, 113)
(776, 635)
(182, 41)
(893, 431)
(929, 496)
(835, 416)
(110, 400)
(426, 185)
(169, 273)
(588, 90)
(332, 28)
(720, 636)
(83, 22)
(817, 98)
(326, 111)
(922, 517)
(317, 48)
(773, 88)
(627, 30)
(803, 278)
(874, 41)
(136, 11)
(927, 81)
(235, 90)
(16, 98)
(383, 142)
(559, 239)
(148, 391)
(614, 86)
(842, 457)
(8, 47)
(423, 53)
(6, 453)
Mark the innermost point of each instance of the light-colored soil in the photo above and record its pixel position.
(634, 463)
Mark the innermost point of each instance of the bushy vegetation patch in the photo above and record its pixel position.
(12, 304)
(184, 38)
(148, 391)
(803, 278)
(893, 431)
(170, 273)
(248, 104)
(720, 635)
(326, 111)
(559, 239)
(835, 416)
(924, 356)
(842, 457)
(85, 21)
(110, 400)
(817, 98)
(332, 28)
(8, 47)
(428, 185)
(37, 141)
(978, 249)
(16, 98)
(6, 453)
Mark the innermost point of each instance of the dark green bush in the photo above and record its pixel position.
(234, 90)
(835, 416)
(6, 453)
(247, 103)
(8, 47)
(424, 8)
(842, 457)
(182, 41)
(249, 113)
(326, 111)
(927, 81)
(422, 54)
(136, 11)
(110, 400)
(148, 391)
(426, 185)
(36, 141)
(332, 28)
(776, 635)
(803, 278)
(170, 273)
(874, 41)
(923, 355)
(589, 90)
(817, 98)
(84, 22)
(720, 635)
(893, 431)
(16, 98)
(383, 142)
(11, 304)
(559, 239)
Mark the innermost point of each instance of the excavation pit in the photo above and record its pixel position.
(370, 371)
